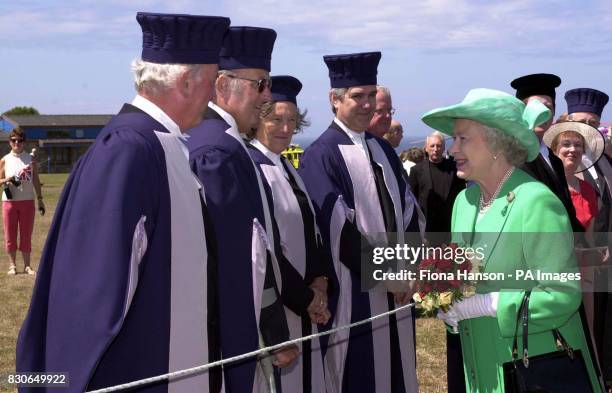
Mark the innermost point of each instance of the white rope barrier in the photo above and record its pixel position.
(204, 367)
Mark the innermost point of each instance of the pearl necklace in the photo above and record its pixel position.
(484, 206)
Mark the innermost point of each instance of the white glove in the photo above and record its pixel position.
(479, 305)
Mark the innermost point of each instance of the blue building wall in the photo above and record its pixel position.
(62, 132)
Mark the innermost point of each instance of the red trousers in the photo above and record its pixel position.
(18, 215)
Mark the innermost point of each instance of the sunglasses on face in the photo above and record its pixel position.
(15, 140)
(261, 83)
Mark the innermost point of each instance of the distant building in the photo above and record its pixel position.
(59, 139)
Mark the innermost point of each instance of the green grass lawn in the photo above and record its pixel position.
(15, 292)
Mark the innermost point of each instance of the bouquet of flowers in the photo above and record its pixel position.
(442, 280)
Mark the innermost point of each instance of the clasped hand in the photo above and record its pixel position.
(317, 310)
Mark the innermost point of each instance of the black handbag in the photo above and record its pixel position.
(561, 371)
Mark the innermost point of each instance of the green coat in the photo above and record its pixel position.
(528, 229)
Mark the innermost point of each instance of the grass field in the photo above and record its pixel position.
(15, 292)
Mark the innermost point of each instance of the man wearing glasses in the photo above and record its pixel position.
(586, 105)
(383, 114)
(249, 284)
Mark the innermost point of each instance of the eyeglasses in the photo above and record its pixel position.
(261, 83)
(16, 140)
(385, 111)
(592, 122)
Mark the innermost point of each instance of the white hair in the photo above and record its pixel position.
(234, 83)
(156, 79)
(436, 134)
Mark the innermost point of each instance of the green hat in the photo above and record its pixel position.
(495, 109)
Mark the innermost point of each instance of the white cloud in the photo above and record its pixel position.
(528, 26)
(429, 24)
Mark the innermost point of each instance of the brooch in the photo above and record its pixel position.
(509, 198)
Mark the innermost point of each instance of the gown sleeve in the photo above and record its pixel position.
(96, 248)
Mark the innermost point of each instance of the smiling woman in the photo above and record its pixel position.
(579, 146)
(305, 292)
(493, 132)
(19, 180)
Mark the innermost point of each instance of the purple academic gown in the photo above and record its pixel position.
(243, 231)
(121, 290)
(354, 197)
(301, 249)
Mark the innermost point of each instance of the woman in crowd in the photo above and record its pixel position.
(295, 218)
(411, 157)
(520, 224)
(19, 180)
(579, 146)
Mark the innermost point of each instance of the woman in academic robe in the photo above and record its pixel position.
(306, 302)
(520, 226)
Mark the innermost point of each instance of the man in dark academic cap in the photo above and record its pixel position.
(356, 185)
(250, 285)
(121, 292)
(547, 167)
(586, 105)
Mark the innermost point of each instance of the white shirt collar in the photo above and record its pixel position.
(275, 158)
(229, 119)
(358, 138)
(158, 114)
(544, 152)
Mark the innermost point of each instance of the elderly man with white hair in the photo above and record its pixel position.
(254, 281)
(435, 183)
(121, 292)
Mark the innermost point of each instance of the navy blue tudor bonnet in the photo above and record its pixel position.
(355, 69)
(247, 47)
(181, 38)
(285, 88)
(586, 100)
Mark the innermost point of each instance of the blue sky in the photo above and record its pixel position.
(74, 56)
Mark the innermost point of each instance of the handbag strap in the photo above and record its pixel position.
(519, 317)
(562, 343)
(522, 316)
(525, 323)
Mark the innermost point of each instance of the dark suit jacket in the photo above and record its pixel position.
(437, 207)
(603, 218)
(555, 181)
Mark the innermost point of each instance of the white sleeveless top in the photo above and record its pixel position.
(19, 165)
